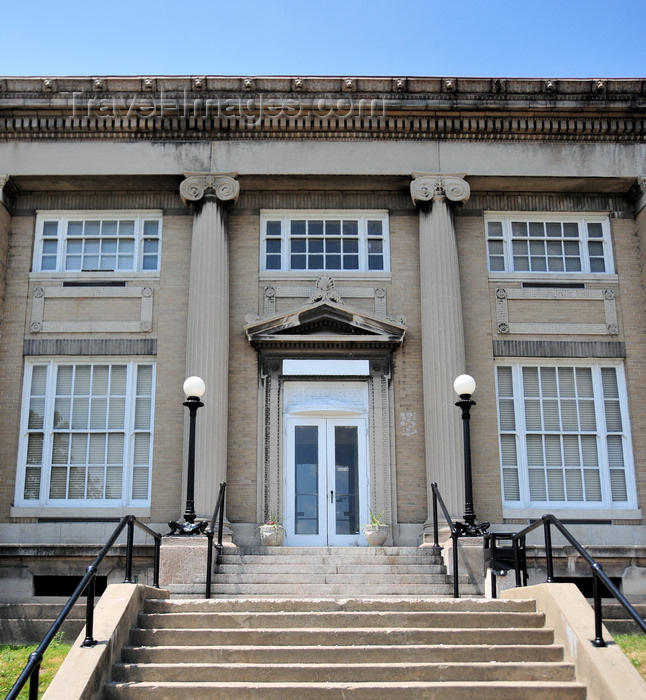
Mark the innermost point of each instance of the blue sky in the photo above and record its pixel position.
(450, 38)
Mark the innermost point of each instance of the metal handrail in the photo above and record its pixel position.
(598, 574)
(31, 671)
(218, 514)
(455, 534)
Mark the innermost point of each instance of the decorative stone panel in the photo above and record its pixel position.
(606, 296)
(40, 324)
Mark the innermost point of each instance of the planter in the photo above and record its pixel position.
(376, 534)
(272, 535)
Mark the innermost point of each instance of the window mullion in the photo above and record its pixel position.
(521, 433)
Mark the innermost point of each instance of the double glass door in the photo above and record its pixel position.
(325, 481)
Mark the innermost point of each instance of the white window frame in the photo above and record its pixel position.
(44, 500)
(285, 216)
(515, 508)
(506, 218)
(63, 218)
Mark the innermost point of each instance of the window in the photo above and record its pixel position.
(75, 242)
(344, 241)
(564, 436)
(86, 434)
(567, 244)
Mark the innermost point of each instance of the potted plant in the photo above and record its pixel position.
(376, 531)
(272, 532)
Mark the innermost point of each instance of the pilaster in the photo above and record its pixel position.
(443, 354)
(207, 342)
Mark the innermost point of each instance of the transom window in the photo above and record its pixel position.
(82, 242)
(304, 240)
(86, 434)
(564, 436)
(567, 244)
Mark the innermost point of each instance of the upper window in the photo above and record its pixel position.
(540, 243)
(564, 435)
(97, 242)
(342, 241)
(86, 436)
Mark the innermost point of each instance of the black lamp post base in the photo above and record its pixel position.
(187, 528)
(469, 529)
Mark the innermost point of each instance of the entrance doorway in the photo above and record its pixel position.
(326, 480)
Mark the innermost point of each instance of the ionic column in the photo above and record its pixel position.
(443, 355)
(207, 341)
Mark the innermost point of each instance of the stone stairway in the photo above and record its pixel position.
(328, 571)
(310, 648)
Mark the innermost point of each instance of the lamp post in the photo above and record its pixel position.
(464, 387)
(194, 389)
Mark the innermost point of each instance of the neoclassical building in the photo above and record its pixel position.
(328, 254)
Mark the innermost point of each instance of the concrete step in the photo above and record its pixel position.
(335, 637)
(342, 672)
(373, 653)
(255, 604)
(617, 620)
(320, 620)
(455, 690)
(27, 623)
(319, 589)
(305, 576)
(282, 566)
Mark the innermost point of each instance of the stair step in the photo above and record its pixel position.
(318, 589)
(343, 672)
(343, 637)
(500, 690)
(296, 569)
(373, 653)
(390, 604)
(341, 620)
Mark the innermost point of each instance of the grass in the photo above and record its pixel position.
(14, 657)
(634, 647)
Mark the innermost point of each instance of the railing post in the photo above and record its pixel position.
(517, 563)
(437, 550)
(89, 640)
(456, 583)
(598, 613)
(157, 541)
(129, 546)
(223, 488)
(549, 563)
(35, 677)
(209, 562)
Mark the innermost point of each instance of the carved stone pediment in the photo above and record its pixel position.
(326, 324)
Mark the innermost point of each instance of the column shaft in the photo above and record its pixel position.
(443, 353)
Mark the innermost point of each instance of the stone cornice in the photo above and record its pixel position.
(214, 108)
(223, 186)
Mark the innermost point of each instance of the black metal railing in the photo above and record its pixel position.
(218, 515)
(599, 577)
(31, 671)
(455, 535)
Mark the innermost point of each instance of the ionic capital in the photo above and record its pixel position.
(426, 187)
(223, 186)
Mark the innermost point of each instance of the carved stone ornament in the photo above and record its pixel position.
(224, 186)
(325, 291)
(424, 188)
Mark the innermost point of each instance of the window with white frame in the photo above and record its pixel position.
(86, 436)
(564, 436)
(340, 241)
(542, 243)
(97, 241)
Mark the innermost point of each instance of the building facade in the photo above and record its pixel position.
(328, 254)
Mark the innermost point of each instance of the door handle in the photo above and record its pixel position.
(331, 496)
